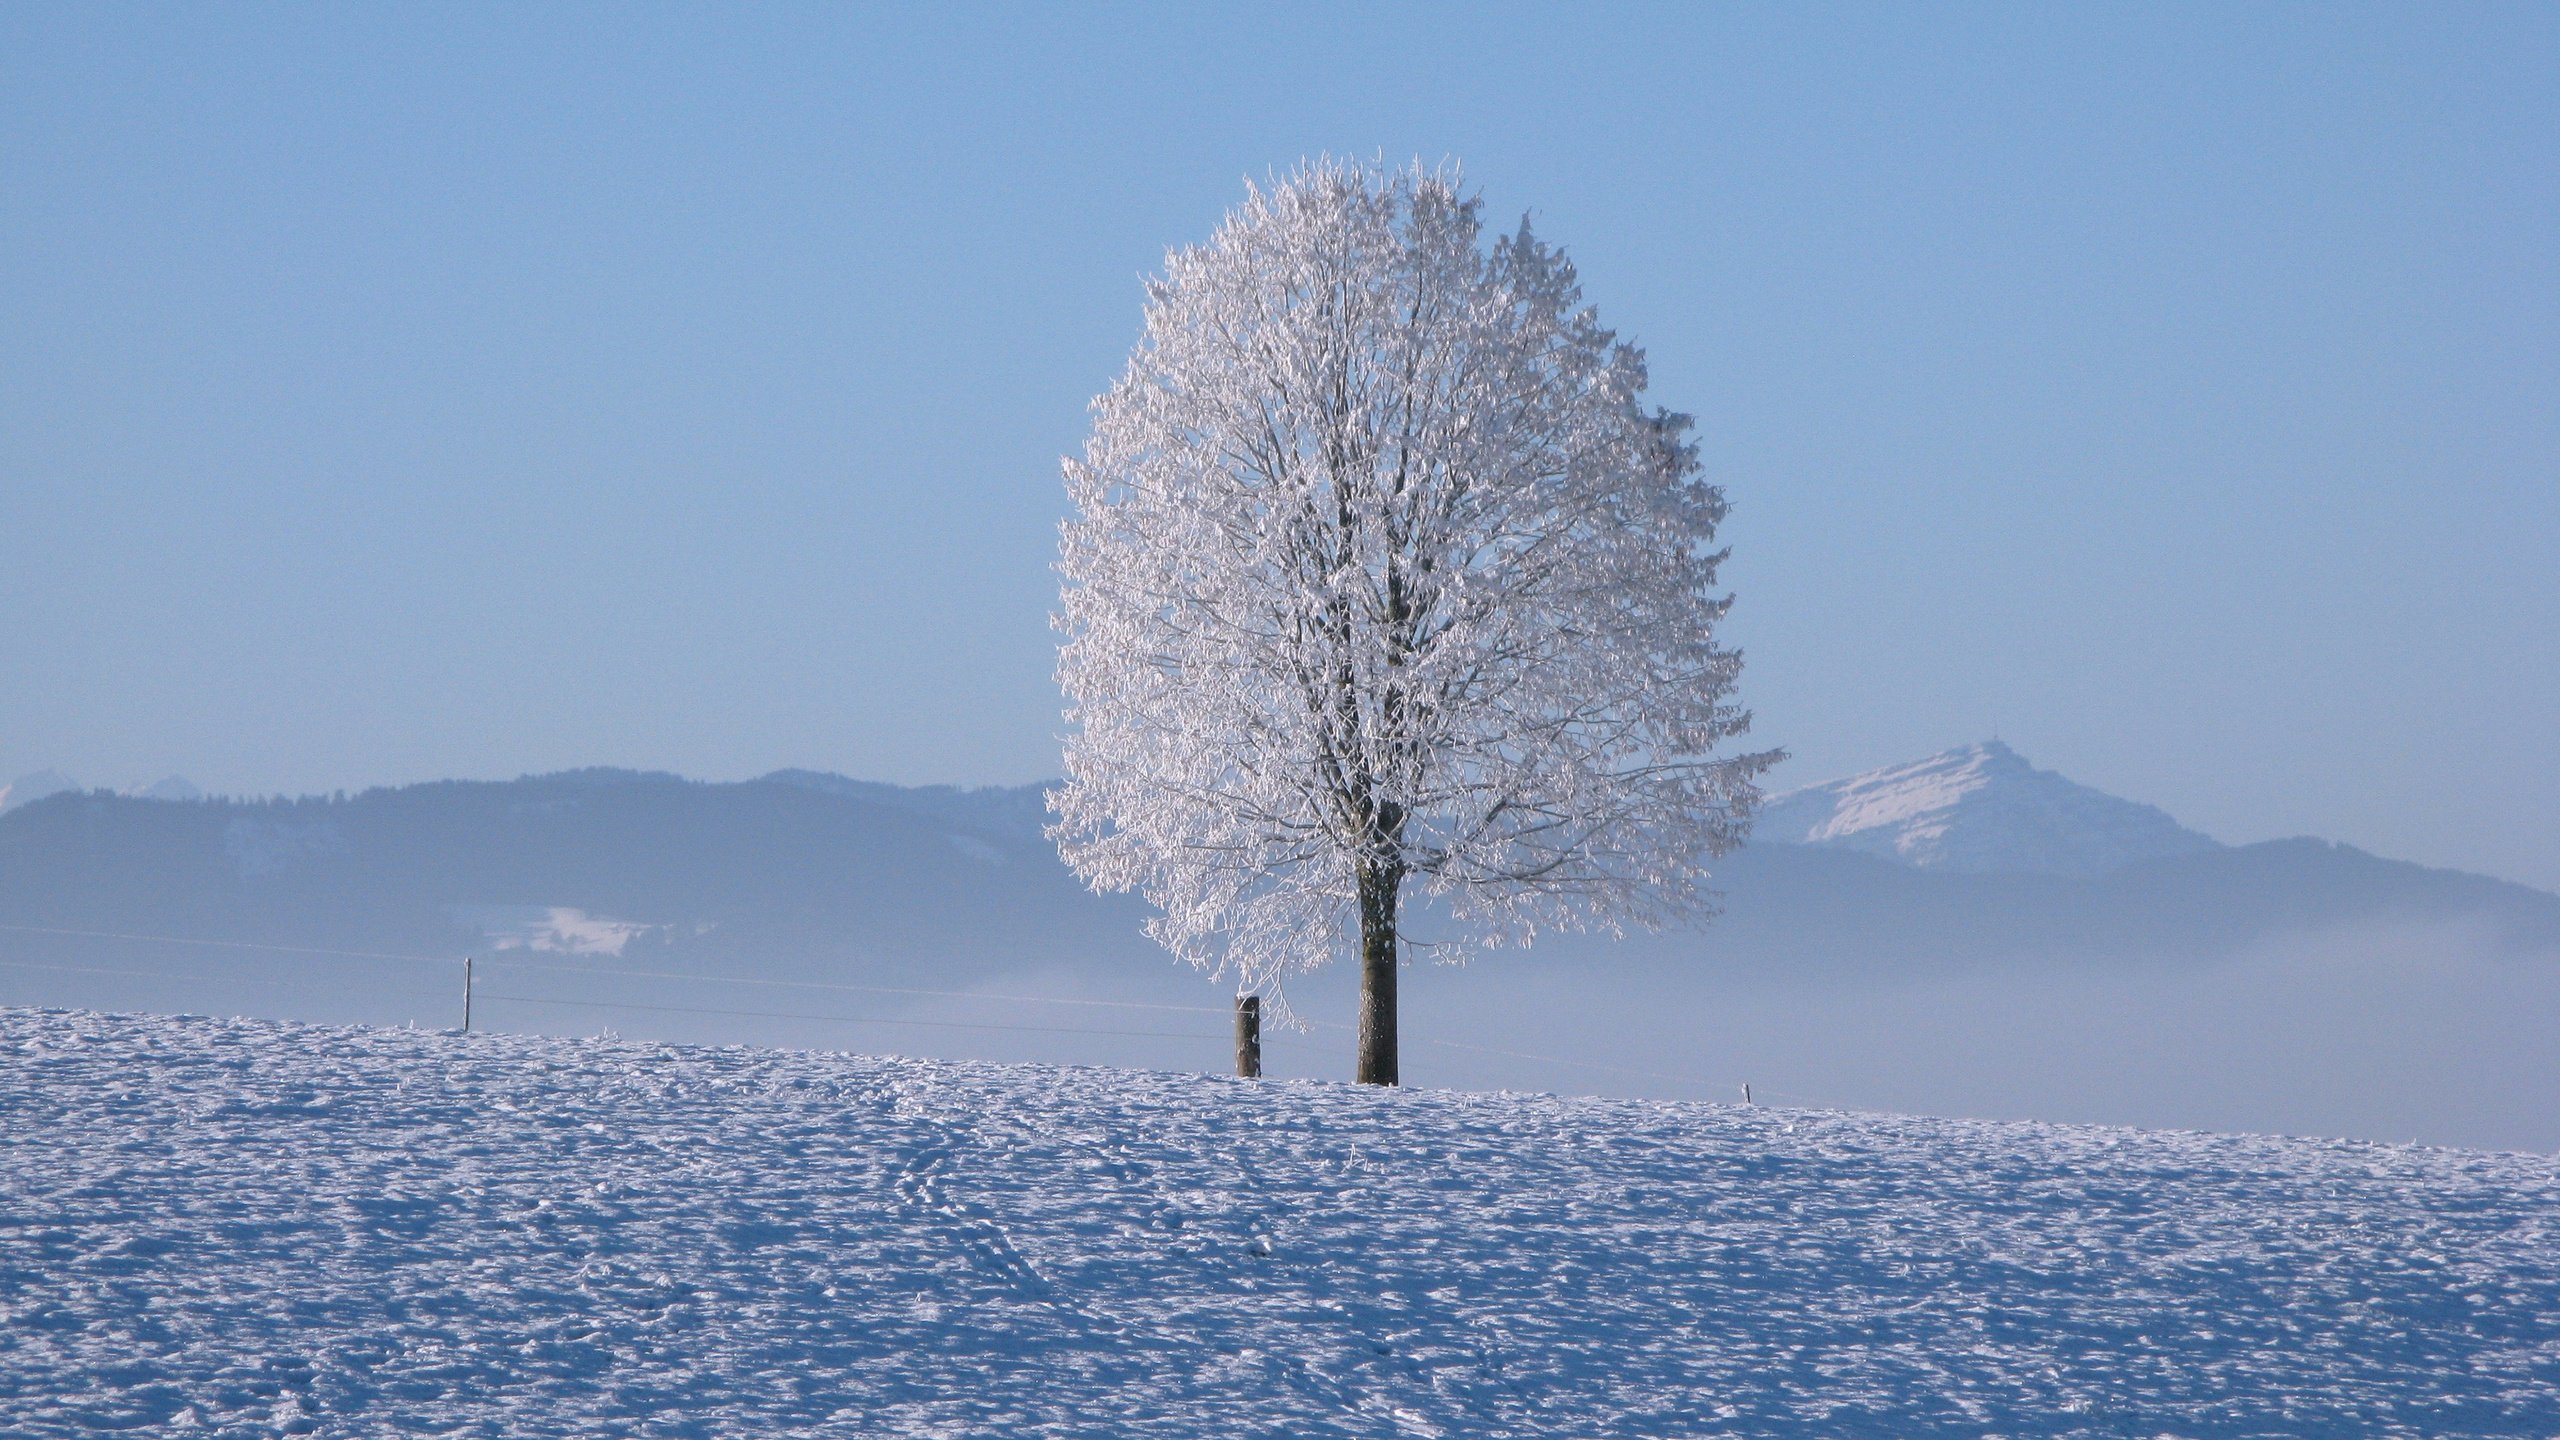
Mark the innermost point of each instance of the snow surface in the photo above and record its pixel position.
(249, 1228)
(1978, 808)
(554, 929)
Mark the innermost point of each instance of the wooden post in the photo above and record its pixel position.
(1746, 1092)
(1249, 1036)
(466, 994)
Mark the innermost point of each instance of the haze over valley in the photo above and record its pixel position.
(1962, 935)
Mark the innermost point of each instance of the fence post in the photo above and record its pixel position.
(466, 994)
(1249, 1036)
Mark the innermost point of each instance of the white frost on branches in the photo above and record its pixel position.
(1381, 568)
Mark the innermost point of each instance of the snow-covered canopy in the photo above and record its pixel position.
(1381, 570)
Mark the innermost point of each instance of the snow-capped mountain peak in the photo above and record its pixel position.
(1978, 808)
(27, 789)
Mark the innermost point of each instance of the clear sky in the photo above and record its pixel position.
(391, 393)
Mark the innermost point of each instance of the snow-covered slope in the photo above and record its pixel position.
(235, 1227)
(1979, 808)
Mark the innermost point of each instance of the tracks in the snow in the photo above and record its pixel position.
(922, 1184)
(943, 1142)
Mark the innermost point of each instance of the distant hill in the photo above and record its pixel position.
(797, 872)
(2292, 985)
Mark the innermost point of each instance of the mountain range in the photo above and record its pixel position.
(1963, 934)
(27, 789)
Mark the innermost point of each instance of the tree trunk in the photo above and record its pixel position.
(1380, 888)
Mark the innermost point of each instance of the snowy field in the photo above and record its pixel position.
(250, 1228)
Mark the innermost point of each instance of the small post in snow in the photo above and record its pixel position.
(466, 994)
(1746, 1092)
(1249, 1036)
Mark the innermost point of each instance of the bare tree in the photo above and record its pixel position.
(1381, 580)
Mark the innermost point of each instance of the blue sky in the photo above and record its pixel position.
(390, 393)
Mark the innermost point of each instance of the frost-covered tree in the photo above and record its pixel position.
(1383, 581)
